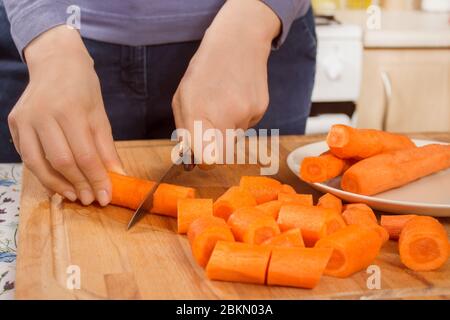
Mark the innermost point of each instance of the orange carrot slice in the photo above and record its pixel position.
(394, 169)
(263, 189)
(290, 238)
(129, 192)
(297, 267)
(238, 262)
(310, 220)
(355, 248)
(334, 221)
(423, 244)
(191, 209)
(234, 198)
(298, 199)
(347, 142)
(203, 235)
(394, 224)
(285, 188)
(362, 214)
(251, 225)
(271, 208)
(330, 201)
(322, 168)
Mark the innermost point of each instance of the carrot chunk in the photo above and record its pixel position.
(253, 226)
(394, 224)
(203, 235)
(129, 192)
(263, 189)
(423, 244)
(330, 201)
(191, 209)
(297, 267)
(290, 238)
(322, 168)
(234, 198)
(347, 142)
(362, 214)
(238, 262)
(334, 221)
(271, 208)
(298, 199)
(394, 169)
(355, 248)
(285, 188)
(310, 220)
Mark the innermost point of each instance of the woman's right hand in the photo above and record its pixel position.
(59, 125)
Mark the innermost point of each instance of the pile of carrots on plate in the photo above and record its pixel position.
(372, 161)
(263, 232)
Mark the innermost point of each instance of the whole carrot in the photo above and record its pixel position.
(394, 224)
(354, 249)
(322, 168)
(203, 235)
(191, 209)
(234, 198)
(238, 262)
(263, 189)
(290, 238)
(346, 142)
(423, 244)
(394, 169)
(297, 267)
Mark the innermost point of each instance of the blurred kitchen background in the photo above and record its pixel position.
(385, 69)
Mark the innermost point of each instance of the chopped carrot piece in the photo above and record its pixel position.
(191, 209)
(310, 220)
(334, 221)
(355, 248)
(203, 234)
(272, 207)
(423, 244)
(166, 196)
(362, 214)
(285, 188)
(330, 201)
(394, 224)
(238, 262)
(251, 225)
(234, 198)
(297, 267)
(299, 199)
(322, 168)
(290, 238)
(347, 142)
(395, 169)
(263, 189)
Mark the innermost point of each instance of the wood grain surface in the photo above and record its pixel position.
(151, 261)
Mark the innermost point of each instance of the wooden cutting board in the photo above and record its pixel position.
(152, 261)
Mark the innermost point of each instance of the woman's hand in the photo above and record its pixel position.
(59, 125)
(225, 85)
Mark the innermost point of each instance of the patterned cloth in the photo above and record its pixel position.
(10, 185)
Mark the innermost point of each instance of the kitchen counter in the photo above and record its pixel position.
(402, 29)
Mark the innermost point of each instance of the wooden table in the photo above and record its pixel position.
(152, 262)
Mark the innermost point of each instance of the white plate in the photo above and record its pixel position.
(428, 196)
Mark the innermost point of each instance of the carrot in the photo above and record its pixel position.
(355, 248)
(129, 192)
(191, 209)
(423, 244)
(299, 199)
(322, 168)
(251, 225)
(297, 267)
(203, 234)
(394, 169)
(310, 220)
(290, 238)
(330, 201)
(238, 262)
(334, 221)
(285, 188)
(347, 142)
(271, 208)
(232, 199)
(263, 189)
(166, 197)
(362, 214)
(394, 224)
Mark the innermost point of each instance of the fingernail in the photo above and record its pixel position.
(102, 198)
(86, 197)
(120, 170)
(70, 195)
